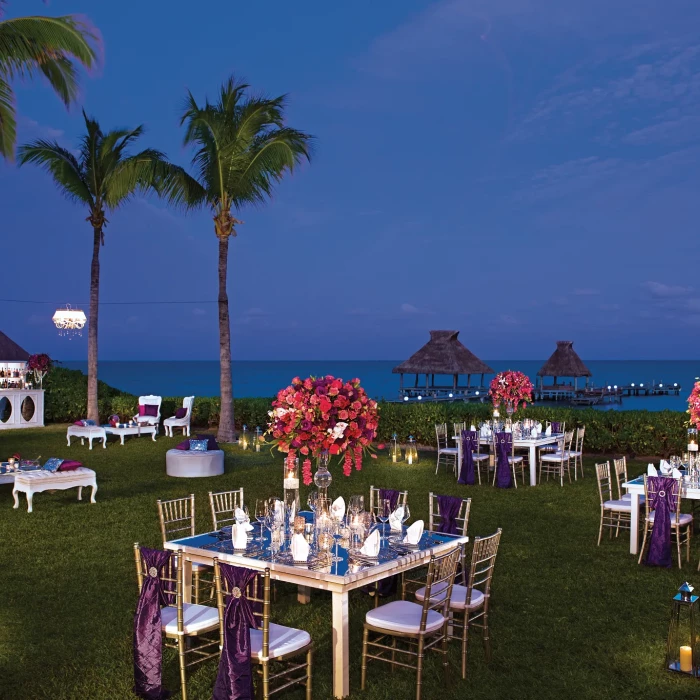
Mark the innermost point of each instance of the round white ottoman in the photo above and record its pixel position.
(192, 463)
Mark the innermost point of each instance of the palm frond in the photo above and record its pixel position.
(62, 165)
(179, 188)
(8, 122)
(130, 175)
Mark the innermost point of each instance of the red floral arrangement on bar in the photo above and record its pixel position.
(511, 388)
(323, 413)
(694, 405)
(40, 363)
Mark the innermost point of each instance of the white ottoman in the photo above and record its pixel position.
(193, 463)
(37, 481)
(91, 432)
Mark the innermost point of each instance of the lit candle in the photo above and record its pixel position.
(393, 457)
(686, 659)
(290, 481)
(410, 459)
(692, 447)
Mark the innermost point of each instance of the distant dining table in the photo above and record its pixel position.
(524, 442)
(339, 578)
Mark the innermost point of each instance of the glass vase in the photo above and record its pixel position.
(323, 477)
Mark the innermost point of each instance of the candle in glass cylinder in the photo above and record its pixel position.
(290, 481)
(686, 659)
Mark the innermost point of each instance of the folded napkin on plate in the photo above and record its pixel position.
(472, 428)
(371, 546)
(539, 427)
(396, 519)
(676, 473)
(243, 519)
(548, 432)
(665, 467)
(651, 470)
(533, 432)
(300, 548)
(239, 536)
(508, 429)
(414, 533)
(338, 508)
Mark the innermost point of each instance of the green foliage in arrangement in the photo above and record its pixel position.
(658, 433)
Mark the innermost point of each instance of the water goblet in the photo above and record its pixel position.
(406, 516)
(356, 504)
(261, 511)
(383, 513)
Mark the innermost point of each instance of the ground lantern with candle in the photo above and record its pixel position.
(243, 439)
(395, 450)
(681, 651)
(258, 438)
(411, 451)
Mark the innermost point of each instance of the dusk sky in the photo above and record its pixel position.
(520, 170)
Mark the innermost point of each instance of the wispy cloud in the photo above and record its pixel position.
(659, 290)
(410, 309)
(32, 128)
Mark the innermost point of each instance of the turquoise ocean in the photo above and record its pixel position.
(252, 378)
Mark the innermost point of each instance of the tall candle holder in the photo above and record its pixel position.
(395, 449)
(411, 451)
(291, 484)
(258, 438)
(244, 439)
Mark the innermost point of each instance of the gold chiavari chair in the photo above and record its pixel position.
(223, 506)
(477, 591)
(274, 648)
(681, 523)
(620, 470)
(177, 521)
(459, 427)
(445, 454)
(555, 462)
(516, 462)
(374, 499)
(577, 453)
(614, 514)
(434, 518)
(190, 628)
(407, 629)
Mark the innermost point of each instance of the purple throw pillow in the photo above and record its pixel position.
(150, 410)
(180, 413)
(142, 410)
(69, 465)
(81, 423)
(212, 444)
(183, 445)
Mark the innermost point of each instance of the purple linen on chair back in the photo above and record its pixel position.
(449, 510)
(556, 426)
(148, 637)
(234, 680)
(392, 495)
(470, 442)
(663, 493)
(504, 448)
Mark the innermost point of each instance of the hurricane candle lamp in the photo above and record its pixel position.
(681, 645)
(243, 440)
(395, 449)
(411, 451)
(258, 438)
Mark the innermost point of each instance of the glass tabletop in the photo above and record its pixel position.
(351, 561)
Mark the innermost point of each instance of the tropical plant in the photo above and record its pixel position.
(242, 148)
(103, 176)
(49, 45)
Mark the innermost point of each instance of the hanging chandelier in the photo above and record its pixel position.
(69, 321)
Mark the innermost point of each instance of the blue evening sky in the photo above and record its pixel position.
(520, 170)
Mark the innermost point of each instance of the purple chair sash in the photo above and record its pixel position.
(148, 636)
(663, 501)
(556, 425)
(504, 448)
(470, 442)
(449, 510)
(234, 680)
(392, 495)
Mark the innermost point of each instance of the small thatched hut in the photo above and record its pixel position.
(443, 354)
(10, 351)
(564, 362)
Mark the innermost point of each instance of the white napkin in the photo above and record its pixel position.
(533, 432)
(243, 519)
(665, 467)
(396, 519)
(414, 533)
(539, 427)
(239, 536)
(651, 470)
(676, 474)
(472, 428)
(371, 546)
(548, 432)
(508, 429)
(338, 508)
(300, 548)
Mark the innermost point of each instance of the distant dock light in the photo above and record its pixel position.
(476, 393)
(641, 384)
(675, 383)
(632, 383)
(405, 398)
(609, 387)
(615, 387)
(420, 398)
(450, 394)
(661, 386)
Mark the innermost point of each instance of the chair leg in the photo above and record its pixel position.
(364, 659)
(465, 639)
(644, 541)
(678, 545)
(309, 665)
(487, 637)
(600, 529)
(181, 641)
(196, 586)
(265, 680)
(445, 666)
(419, 669)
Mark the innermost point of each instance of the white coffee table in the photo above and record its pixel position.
(89, 432)
(132, 430)
(33, 482)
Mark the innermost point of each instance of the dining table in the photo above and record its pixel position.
(339, 578)
(529, 443)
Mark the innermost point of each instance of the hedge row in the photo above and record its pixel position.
(659, 433)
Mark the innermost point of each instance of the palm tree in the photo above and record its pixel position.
(40, 44)
(242, 149)
(102, 177)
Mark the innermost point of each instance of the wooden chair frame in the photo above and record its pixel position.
(374, 499)
(173, 585)
(445, 453)
(554, 463)
(225, 503)
(513, 460)
(258, 595)
(611, 518)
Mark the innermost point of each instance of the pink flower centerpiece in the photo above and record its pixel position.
(694, 405)
(321, 414)
(511, 388)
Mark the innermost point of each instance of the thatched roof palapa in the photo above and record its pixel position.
(564, 362)
(10, 351)
(443, 354)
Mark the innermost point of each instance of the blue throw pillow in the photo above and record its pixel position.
(89, 422)
(198, 445)
(53, 464)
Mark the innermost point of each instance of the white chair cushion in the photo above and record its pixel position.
(283, 640)
(683, 519)
(458, 598)
(574, 453)
(479, 458)
(514, 460)
(197, 618)
(628, 497)
(621, 506)
(449, 450)
(554, 457)
(403, 616)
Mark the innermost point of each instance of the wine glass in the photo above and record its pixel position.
(312, 501)
(383, 513)
(261, 511)
(356, 505)
(406, 515)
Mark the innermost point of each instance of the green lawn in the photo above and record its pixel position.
(568, 618)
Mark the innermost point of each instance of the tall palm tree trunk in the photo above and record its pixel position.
(92, 407)
(225, 433)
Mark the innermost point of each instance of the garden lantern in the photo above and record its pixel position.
(681, 651)
(243, 439)
(395, 449)
(411, 451)
(258, 438)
